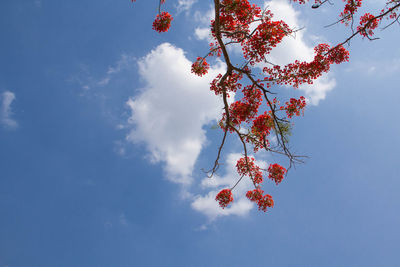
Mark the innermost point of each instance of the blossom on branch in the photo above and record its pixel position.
(263, 201)
(200, 67)
(162, 22)
(224, 198)
(247, 167)
(276, 173)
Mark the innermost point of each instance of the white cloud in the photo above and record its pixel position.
(184, 5)
(202, 33)
(241, 206)
(317, 91)
(5, 112)
(170, 111)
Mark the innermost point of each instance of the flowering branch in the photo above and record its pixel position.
(243, 117)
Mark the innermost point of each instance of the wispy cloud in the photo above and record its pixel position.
(123, 63)
(87, 80)
(203, 31)
(122, 219)
(7, 98)
(381, 68)
(184, 5)
(38, 3)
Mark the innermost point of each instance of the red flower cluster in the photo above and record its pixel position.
(263, 201)
(260, 129)
(229, 85)
(255, 195)
(249, 169)
(276, 173)
(224, 198)
(162, 22)
(200, 67)
(266, 36)
(234, 19)
(368, 23)
(350, 9)
(246, 108)
(295, 106)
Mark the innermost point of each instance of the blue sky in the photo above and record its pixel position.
(104, 131)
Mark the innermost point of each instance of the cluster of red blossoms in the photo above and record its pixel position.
(350, 8)
(230, 84)
(261, 128)
(246, 166)
(162, 22)
(263, 201)
(246, 109)
(276, 173)
(295, 106)
(298, 73)
(200, 67)
(266, 36)
(368, 23)
(224, 198)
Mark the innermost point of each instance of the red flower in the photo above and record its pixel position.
(200, 67)
(249, 169)
(162, 22)
(260, 129)
(263, 202)
(255, 195)
(224, 197)
(276, 172)
(368, 23)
